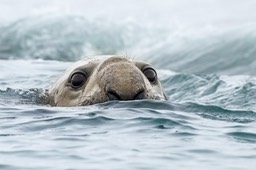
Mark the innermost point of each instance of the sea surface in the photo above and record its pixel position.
(205, 55)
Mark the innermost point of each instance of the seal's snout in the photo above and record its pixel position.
(119, 95)
(128, 85)
(121, 80)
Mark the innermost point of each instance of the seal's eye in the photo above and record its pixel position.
(151, 75)
(77, 80)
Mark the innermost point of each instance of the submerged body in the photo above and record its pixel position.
(105, 78)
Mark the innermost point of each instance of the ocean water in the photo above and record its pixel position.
(205, 55)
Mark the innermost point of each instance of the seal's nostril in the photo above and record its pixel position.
(112, 95)
(139, 95)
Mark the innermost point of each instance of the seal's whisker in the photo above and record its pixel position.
(81, 99)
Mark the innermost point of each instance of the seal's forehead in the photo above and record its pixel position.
(92, 62)
(88, 62)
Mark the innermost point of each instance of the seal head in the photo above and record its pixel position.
(98, 80)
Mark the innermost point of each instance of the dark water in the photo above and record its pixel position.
(206, 65)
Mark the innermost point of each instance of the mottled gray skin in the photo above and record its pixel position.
(121, 75)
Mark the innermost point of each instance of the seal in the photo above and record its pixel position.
(103, 78)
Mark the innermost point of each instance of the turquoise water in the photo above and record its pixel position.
(205, 56)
